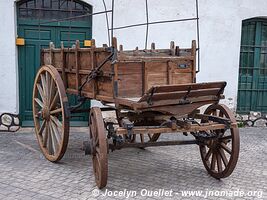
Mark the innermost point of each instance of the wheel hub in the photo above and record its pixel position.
(46, 113)
(213, 143)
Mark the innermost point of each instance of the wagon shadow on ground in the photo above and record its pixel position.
(135, 169)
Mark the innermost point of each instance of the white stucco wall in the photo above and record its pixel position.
(220, 34)
(8, 59)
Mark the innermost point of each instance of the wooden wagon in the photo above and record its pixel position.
(153, 92)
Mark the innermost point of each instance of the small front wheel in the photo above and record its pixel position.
(99, 147)
(220, 155)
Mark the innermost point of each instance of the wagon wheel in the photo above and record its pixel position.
(50, 113)
(99, 147)
(220, 155)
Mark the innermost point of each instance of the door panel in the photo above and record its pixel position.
(29, 63)
(69, 36)
(37, 38)
(252, 90)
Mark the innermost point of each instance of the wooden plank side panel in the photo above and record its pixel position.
(100, 57)
(181, 72)
(181, 78)
(88, 87)
(85, 60)
(71, 80)
(70, 61)
(156, 74)
(57, 59)
(130, 81)
(104, 87)
(46, 58)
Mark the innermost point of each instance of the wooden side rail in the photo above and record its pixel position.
(193, 128)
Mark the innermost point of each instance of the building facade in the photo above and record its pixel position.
(233, 40)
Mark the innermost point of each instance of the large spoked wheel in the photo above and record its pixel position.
(50, 113)
(220, 155)
(99, 147)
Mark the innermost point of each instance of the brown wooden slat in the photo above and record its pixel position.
(194, 128)
(181, 94)
(181, 87)
(143, 105)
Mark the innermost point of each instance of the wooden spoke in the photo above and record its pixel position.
(40, 103)
(42, 127)
(51, 92)
(58, 110)
(229, 137)
(54, 101)
(219, 145)
(45, 136)
(99, 146)
(213, 162)
(208, 154)
(55, 140)
(219, 162)
(56, 121)
(52, 120)
(49, 141)
(44, 84)
(41, 92)
(226, 148)
(223, 156)
(56, 132)
(149, 135)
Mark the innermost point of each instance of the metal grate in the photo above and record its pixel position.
(52, 9)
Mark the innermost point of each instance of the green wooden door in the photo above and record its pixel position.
(38, 33)
(252, 89)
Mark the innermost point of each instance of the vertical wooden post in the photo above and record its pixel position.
(114, 43)
(63, 65)
(93, 65)
(153, 46)
(115, 71)
(172, 48)
(121, 47)
(77, 64)
(177, 51)
(51, 47)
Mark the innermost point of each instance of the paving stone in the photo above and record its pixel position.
(25, 174)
